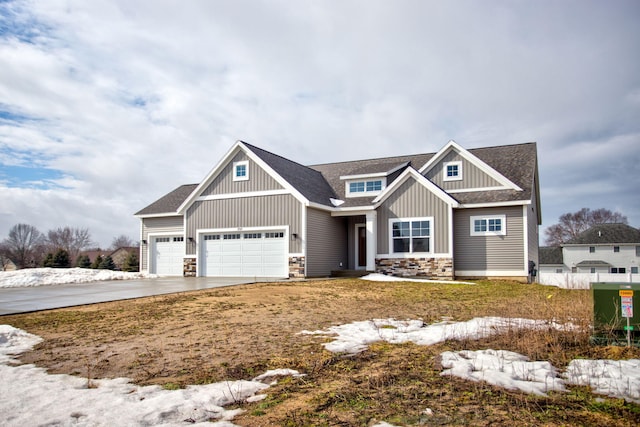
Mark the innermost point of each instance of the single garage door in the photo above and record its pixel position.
(168, 255)
(245, 254)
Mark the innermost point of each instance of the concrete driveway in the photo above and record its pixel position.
(24, 300)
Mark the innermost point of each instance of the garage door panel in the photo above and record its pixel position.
(259, 254)
(168, 253)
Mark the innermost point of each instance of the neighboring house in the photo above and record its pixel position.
(455, 213)
(120, 255)
(7, 265)
(602, 249)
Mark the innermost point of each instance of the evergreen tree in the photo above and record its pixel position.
(83, 261)
(131, 263)
(61, 259)
(48, 260)
(107, 263)
(96, 262)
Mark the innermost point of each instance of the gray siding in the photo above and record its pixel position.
(533, 229)
(326, 243)
(168, 224)
(472, 176)
(479, 253)
(263, 211)
(412, 200)
(259, 179)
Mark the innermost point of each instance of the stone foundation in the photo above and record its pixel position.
(296, 267)
(189, 267)
(428, 268)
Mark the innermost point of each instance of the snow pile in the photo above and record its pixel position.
(58, 276)
(377, 277)
(30, 396)
(503, 368)
(355, 337)
(615, 378)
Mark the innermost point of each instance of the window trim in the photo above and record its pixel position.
(503, 225)
(410, 219)
(236, 165)
(364, 181)
(445, 175)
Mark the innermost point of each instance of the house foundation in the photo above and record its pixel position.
(428, 268)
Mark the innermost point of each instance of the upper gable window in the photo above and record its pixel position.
(241, 171)
(452, 171)
(365, 187)
(494, 225)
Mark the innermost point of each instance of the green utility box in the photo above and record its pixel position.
(616, 312)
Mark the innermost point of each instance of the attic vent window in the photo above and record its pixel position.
(241, 171)
(452, 171)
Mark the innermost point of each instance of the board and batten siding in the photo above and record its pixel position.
(533, 230)
(413, 200)
(326, 243)
(259, 179)
(161, 225)
(246, 212)
(489, 253)
(472, 176)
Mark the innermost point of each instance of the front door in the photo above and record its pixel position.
(361, 246)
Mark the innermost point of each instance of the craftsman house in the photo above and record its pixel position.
(456, 213)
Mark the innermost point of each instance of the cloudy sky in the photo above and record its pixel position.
(107, 105)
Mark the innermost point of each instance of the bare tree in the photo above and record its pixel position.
(72, 240)
(122, 241)
(23, 245)
(572, 224)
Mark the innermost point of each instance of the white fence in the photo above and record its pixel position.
(582, 280)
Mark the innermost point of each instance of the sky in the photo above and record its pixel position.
(105, 106)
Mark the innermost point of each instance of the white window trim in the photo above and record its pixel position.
(431, 236)
(502, 232)
(452, 178)
(365, 193)
(244, 163)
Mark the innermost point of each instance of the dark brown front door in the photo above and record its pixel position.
(362, 247)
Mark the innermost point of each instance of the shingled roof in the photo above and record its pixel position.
(169, 203)
(550, 255)
(603, 234)
(321, 183)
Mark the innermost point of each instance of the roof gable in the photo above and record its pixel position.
(452, 146)
(412, 173)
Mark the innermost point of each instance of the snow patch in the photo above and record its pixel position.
(58, 276)
(377, 277)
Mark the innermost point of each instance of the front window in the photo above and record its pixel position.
(411, 235)
(495, 225)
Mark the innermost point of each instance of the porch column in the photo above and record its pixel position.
(371, 227)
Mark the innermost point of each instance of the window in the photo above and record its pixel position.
(253, 235)
(178, 239)
(618, 270)
(634, 270)
(231, 237)
(163, 239)
(616, 249)
(276, 235)
(637, 250)
(452, 171)
(495, 225)
(593, 270)
(558, 270)
(410, 235)
(212, 237)
(592, 249)
(241, 171)
(365, 188)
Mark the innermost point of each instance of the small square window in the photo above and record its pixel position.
(592, 249)
(241, 171)
(452, 171)
(634, 270)
(616, 249)
(593, 270)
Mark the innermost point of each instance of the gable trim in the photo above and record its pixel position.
(242, 195)
(239, 146)
(420, 179)
(494, 204)
(453, 146)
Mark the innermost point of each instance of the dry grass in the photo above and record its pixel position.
(237, 333)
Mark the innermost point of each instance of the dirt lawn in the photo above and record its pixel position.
(239, 332)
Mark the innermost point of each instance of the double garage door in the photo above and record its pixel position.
(242, 254)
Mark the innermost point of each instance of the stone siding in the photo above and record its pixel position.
(296, 267)
(431, 268)
(189, 267)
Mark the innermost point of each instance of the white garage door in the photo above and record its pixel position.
(168, 254)
(252, 254)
